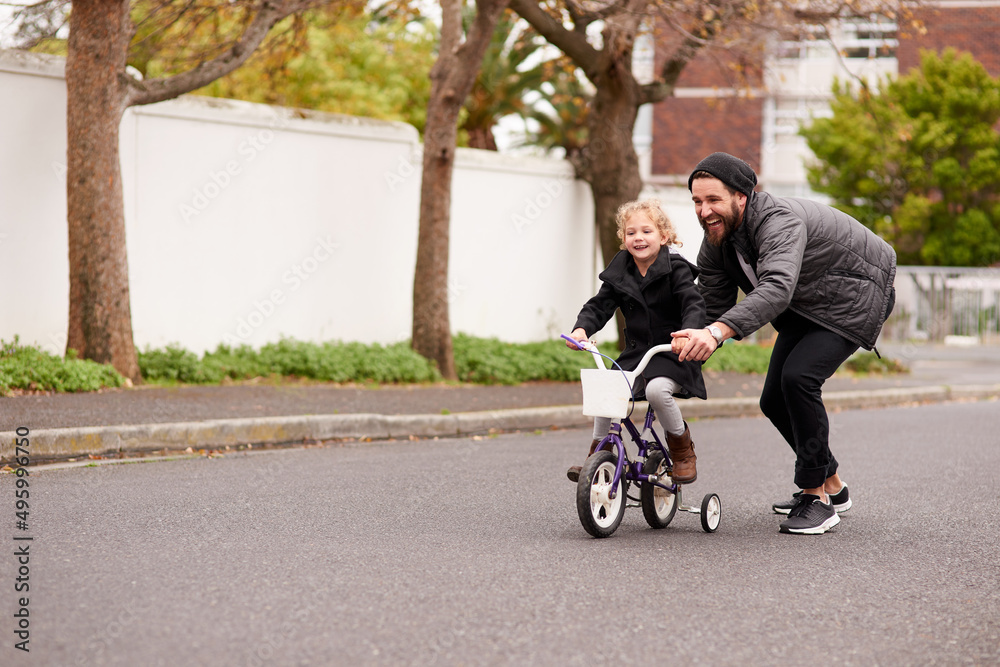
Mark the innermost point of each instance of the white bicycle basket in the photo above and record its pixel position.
(606, 393)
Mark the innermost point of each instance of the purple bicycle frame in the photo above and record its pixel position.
(614, 437)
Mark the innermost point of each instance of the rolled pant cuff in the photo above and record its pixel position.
(811, 478)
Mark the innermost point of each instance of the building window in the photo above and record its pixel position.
(862, 38)
(853, 38)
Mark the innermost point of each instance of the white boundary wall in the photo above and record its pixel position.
(247, 223)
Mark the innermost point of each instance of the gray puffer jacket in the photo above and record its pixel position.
(809, 258)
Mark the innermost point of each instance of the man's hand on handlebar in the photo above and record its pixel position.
(698, 344)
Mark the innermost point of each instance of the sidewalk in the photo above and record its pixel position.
(157, 418)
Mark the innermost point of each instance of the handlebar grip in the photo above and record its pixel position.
(575, 342)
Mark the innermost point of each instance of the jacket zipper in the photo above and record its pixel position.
(851, 274)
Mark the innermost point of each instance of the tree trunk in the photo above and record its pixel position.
(431, 323)
(98, 91)
(481, 138)
(610, 163)
(452, 77)
(100, 319)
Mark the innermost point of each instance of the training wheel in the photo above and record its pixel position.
(711, 512)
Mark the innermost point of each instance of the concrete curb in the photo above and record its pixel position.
(103, 440)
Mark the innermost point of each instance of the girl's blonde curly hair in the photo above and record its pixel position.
(653, 209)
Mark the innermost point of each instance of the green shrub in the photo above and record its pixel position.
(490, 361)
(347, 362)
(325, 362)
(240, 363)
(753, 358)
(477, 360)
(868, 363)
(397, 363)
(739, 357)
(171, 364)
(307, 360)
(27, 367)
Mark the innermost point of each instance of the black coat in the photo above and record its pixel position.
(664, 300)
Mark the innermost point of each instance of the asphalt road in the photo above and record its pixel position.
(469, 552)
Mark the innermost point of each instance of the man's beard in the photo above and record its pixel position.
(729, 224)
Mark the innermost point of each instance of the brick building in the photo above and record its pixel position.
(753, 108)
(968, 25)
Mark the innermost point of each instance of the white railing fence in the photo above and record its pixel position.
(946, 304)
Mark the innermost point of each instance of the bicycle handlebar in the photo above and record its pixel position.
(587, 346)
(653, 351)
(580, 345)
(650, 353)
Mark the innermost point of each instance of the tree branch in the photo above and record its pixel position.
(459, 71)
(574, 44)
(588, 16)
(485, 22)
(451, 25)
(663, 86)
(158, 90)
(36, 22)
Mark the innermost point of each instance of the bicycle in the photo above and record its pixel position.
(602, 492)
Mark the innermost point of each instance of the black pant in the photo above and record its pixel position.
(805, 354)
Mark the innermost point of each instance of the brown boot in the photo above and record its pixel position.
(574, 471)
(682, 452)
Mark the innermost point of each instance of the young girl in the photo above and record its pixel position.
(654, 288)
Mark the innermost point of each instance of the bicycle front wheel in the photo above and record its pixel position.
(599, 513)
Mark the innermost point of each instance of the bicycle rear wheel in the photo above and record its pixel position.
(658, 505)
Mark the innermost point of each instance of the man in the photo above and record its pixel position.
(822, 279)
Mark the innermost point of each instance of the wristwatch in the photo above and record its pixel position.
(716, 334)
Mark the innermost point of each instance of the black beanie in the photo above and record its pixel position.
(732, 171)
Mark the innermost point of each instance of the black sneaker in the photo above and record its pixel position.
(841, 502)
(788, 505)
(810, 516)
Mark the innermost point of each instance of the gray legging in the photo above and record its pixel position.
(660, 394)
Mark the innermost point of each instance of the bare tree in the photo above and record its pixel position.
(609, 162)
(34, 23)
(98, 91)
(455, 70)
(504, 78)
